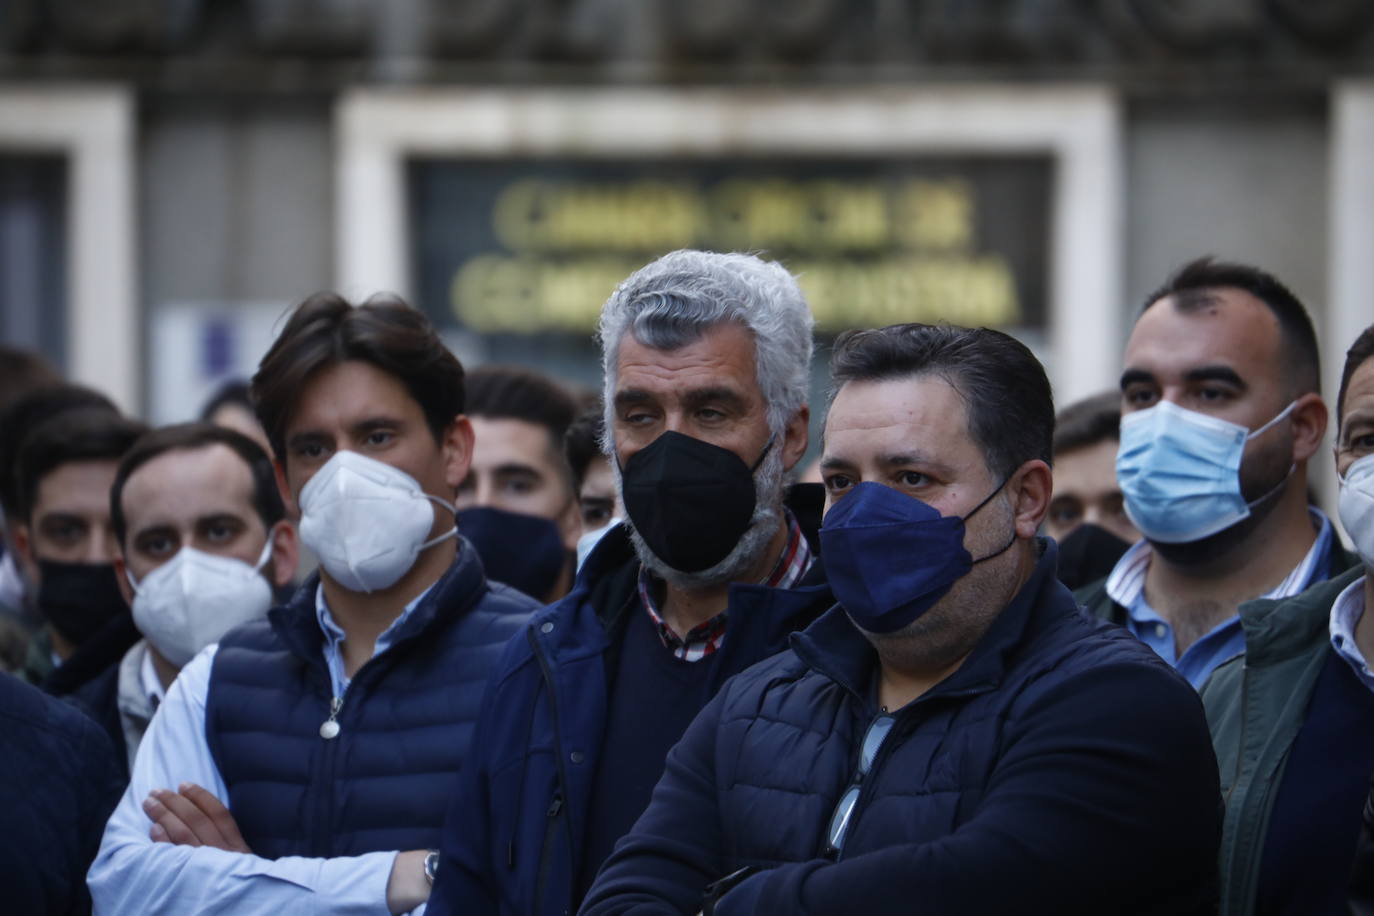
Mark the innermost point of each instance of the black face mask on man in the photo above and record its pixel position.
(78, 599)
(689, 500)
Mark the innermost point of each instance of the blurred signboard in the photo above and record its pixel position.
(536, 246)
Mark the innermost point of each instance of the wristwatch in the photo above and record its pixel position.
(431, 866)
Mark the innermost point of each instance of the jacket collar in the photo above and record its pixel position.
(836, 648)
(1276, 630)
(452, 595)
(606, 590)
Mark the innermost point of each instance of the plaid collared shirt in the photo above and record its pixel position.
(706, 638)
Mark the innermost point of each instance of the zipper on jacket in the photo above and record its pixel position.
(545, 860)
(556, 807)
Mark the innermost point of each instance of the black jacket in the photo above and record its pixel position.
(59, 782)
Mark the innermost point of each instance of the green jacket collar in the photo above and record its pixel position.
(1276, 630)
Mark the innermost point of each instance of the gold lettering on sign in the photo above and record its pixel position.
(868, 252)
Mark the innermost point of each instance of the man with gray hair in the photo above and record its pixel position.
(706, 360)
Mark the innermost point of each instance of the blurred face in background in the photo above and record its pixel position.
(516, 467)
(1085, 491)
(70, 522)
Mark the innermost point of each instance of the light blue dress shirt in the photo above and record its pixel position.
(1126, 586)
(132, 874)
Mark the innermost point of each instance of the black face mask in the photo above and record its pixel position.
(522, 551)
(690, 501)
(1089, 553)
(78, 599)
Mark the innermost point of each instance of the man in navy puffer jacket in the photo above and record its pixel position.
(957, 736)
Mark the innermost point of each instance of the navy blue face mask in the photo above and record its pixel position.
(522, 551)
(890, 557)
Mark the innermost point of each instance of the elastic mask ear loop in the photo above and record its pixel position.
(768, 446)
(987, 499)
(265, 555)
(451, 533)
(1282, 413)
(1291, 468)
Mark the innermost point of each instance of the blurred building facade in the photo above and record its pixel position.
(175, 173)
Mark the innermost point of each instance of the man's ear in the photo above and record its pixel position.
(281, 569)
(796, 435)
(22, 539)
(1309, 419)
(122, 578)
(1031, 488)
(293, 509)
(456, 445)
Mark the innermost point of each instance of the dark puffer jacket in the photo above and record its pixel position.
(1062, 769)
(58, 783)
(404, 726)
(515, 839)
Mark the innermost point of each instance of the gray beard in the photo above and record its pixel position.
(763, 525)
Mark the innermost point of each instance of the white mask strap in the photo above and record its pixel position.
(1282, 413)
(265, 555)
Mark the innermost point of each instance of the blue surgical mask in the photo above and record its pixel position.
(890, 557)
(1179, 471)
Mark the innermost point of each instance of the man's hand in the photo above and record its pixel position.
(408, 886)
(192, 816)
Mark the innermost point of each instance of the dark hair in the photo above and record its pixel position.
(1361, 350)
(193, 436)
(1191, 289)
(80, 434)
(1003, 386)
(1088, 422)
(22, 371)
(583, 442)
(512, 393)
(326, 330)
(233, 393)
(26, 413)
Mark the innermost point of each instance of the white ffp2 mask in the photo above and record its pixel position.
(194, 598)
(366, 521)
(1356, 506)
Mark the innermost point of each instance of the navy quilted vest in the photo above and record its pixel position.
(405, 723)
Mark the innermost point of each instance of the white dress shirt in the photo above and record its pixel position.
(133, 874)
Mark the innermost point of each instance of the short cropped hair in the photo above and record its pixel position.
(326, 330)
(672, 302)
(1003, 386)
(81, 434)
(1191, 289)
(582, 443)
(1087, 422)
(24, 414)
(1360, 351)
(513, 393)
(267, 498)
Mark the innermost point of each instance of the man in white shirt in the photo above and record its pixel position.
(201, 501)
(304, 763)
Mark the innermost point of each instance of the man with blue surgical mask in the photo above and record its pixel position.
(303, 762)
(1221, 410)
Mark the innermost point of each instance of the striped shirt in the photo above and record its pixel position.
(1126, 586)
(706, 638)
